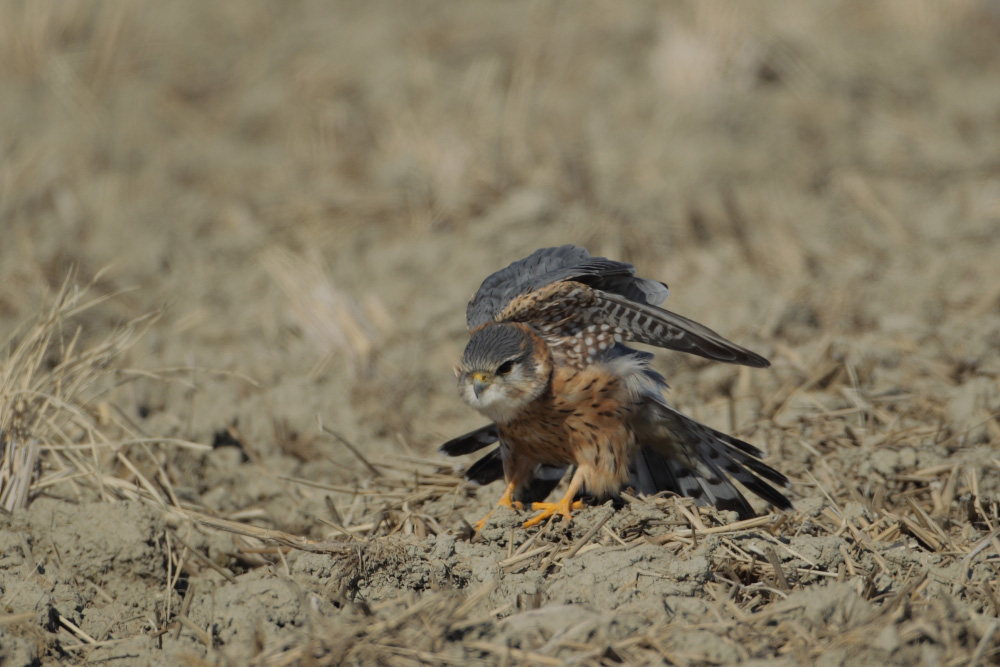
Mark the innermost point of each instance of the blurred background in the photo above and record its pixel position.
(307, 193)
(311, 191)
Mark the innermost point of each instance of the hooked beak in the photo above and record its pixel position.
(479, 383)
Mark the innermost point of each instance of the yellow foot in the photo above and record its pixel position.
(562, 507)
(515, 505)
(478, 526)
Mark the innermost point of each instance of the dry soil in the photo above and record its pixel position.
(302, 196)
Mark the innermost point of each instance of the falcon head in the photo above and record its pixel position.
(504, 368)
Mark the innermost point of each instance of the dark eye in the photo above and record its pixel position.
(505, 367)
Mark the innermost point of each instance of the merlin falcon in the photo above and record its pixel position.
(547, 364)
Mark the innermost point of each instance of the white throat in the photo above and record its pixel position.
(493, 403)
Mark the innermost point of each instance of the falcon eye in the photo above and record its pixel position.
(505, 368)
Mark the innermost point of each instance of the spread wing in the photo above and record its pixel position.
(564, 291)
(684, 456)
(675, 454)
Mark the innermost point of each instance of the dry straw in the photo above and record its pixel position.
(55, 427)
(61, 434)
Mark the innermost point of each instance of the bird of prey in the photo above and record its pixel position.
(547, 363)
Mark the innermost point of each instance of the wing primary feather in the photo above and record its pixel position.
(487, 469)
(700, 462)
(471, 442)
(655, 326)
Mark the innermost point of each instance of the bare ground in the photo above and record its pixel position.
(236, 242)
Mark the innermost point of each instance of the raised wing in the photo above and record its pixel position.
(662, 328)
(575, 312)
(551, 265)
(563, 290)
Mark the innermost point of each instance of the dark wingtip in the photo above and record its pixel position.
(470, 442)
(451, 448)
(736, 504)
(728, 355)
(487, 469)
(745, 357)
(769, 493)
(762, 490)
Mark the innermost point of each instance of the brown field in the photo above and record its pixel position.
(236, 243)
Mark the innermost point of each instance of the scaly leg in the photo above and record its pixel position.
(504, 501)
(562, 507)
